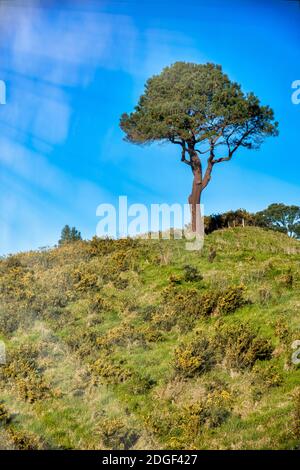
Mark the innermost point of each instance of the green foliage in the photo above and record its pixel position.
(281, 217)
(175, 279)
(8, 323)
(238, 218)
(85, 281)
(287, 279)
(123, 335)
(69, 235)
(183, 426)
(140, 384)
(185, 97)
(191, 274)
(183, 307)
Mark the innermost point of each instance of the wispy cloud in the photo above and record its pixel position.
(46, 56)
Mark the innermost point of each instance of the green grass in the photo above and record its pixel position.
(93, 322)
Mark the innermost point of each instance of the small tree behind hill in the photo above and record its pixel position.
(69, 235)
(280, 217)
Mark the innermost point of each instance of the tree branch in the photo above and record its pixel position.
(234, 149)
(183, 152)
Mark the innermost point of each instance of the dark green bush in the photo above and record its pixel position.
(140, 384)
(191, 274)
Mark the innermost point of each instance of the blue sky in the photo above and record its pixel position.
(72, 68)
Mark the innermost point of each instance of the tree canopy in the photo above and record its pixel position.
(198, 103)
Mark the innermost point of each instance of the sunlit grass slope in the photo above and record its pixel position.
(145, 345)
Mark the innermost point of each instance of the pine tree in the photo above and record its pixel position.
(69, 235)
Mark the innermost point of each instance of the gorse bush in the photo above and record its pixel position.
(117, 435)
(24, 440)
(265, 378)
(84, 281)
(230, 300)
(194, 358)
(8, 322)
(239, 346)
(183, 307)
(105, 369)
(287, 279)
(140, 384)
(211, 412)
(123, 335)
(23, 373)
(183, 425)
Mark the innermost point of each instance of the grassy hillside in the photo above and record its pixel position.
(142, 344)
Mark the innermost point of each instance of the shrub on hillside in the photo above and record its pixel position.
(140, 384)
(194, 358)
(108, 370)
(85, 281)
(239, 346)
(181, 426)
(231, 299)
(83, 343)
(191, 274)
(117, 435)
(23, 373)
(123, 335)
(9, 322)
(265, 378)
(24, 440)
(210, 412)
(287, 279)
(183, 307)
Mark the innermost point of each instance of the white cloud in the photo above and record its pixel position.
(47, 54)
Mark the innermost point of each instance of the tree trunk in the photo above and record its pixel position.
(195, 196)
